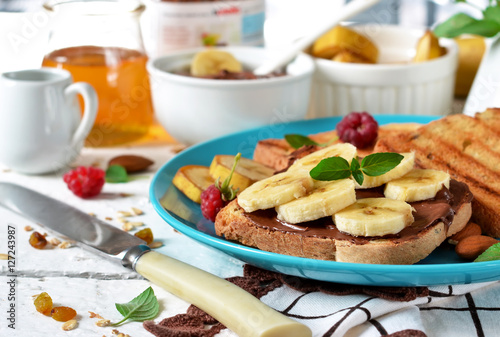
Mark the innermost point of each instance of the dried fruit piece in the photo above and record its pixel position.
(103, 322)
(145, 234)
(43, 303)
(85, 182)
(37, 240)
(131, 163)
(63, 314)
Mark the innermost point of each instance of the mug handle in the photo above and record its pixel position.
(90, 108)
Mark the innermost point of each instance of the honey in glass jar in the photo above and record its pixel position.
(99, 42)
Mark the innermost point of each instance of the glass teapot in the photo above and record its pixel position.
(100, 42)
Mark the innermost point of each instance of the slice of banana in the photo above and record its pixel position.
(405, 166)
(307, 163)
(374, 217)
(326, 198)
(212, 61)
(245, 174)
(417, 185)
(275, 190)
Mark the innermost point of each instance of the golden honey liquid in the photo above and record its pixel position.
(120, 79)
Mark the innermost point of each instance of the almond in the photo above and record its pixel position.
(471, 247)
(469, 230)
(131, 163)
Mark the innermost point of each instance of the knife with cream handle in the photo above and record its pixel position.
(232, 306)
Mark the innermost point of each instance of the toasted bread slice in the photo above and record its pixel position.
(466, 147)
(278, 154)
(235, 224)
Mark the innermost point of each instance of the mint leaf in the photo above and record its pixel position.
(333, 168)
(449, 27)
(142, 308)
(297, 141)
(116, 174)
(490, 254)
(377, 164)
(357, 174)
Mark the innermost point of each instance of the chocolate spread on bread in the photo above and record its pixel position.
(441, 208)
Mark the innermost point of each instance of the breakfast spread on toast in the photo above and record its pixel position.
(328, 199)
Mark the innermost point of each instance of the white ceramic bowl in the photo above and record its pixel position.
(392, 86)
(196, 109)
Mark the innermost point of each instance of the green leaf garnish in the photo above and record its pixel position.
(116, 174)
(297, 141)
(462, 23)
(356, 172)
(143, 307)
(375, 164)
(227, 190)
(490, 254)
(332, 168)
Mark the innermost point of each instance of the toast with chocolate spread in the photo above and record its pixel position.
(435, 220)
(466, 147)
(397, 216)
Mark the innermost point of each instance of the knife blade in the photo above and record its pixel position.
(238, 310)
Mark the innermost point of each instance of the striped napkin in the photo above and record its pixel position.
(332, 309)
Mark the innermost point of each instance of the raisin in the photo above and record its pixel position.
(145, 234)
(43, 303)
(37, 240)
(63, 314)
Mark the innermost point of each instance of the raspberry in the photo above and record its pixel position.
(358, 128)
(85, 182)
(211, 202)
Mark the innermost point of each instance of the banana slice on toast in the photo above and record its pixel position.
(275, 190)
(374, 217)
(307, 163)
(417, 185)
(326, 198)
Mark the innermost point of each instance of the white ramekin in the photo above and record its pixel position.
(394, 85)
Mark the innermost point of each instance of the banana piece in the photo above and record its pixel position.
(374, 217)
(192, 180)
(275, 190)
(212, 61)
(405, 166)
(245, 174)
(417, 185)
(326, 198)
(340, 39)
(348, 57)
(307, 163)
(428, 48)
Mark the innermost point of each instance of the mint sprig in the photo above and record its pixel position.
(227, 191)
(490, 254)
(375, 164)
(462, 23)
(297, 141)
(143, 307)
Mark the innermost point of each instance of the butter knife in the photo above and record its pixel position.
(238, 310)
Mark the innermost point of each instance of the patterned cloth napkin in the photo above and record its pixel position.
(332, 309)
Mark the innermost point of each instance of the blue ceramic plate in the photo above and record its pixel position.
(441, 267)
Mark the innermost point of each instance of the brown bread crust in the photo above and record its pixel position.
(232, 223)
(466, 147)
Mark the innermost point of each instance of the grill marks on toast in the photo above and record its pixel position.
(466, 147)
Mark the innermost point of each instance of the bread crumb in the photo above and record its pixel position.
(137, 211)
(28, 228)
(155, 244)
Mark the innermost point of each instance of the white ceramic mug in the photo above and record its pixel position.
(41, 126)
